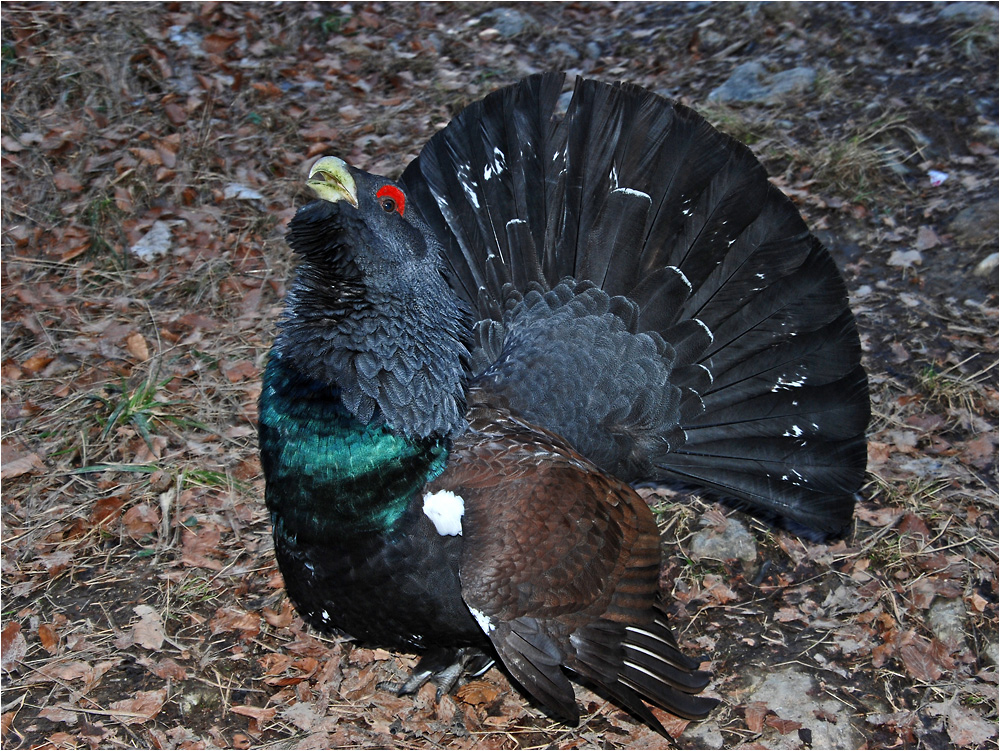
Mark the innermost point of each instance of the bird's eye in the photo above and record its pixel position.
(391, 198)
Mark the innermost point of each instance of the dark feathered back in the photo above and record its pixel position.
(694, 248)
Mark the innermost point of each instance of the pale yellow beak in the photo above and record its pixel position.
(330, 180)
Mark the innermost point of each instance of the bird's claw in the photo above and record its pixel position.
(443, 668)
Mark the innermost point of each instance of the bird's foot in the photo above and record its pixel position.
(443, 668)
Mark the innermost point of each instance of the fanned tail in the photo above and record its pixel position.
(679, 227)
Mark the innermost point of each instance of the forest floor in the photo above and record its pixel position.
(152, 157)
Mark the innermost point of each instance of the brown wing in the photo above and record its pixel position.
(560, 566)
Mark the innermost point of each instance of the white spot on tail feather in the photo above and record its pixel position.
(683, 277)
(496, 167)
(711, 336)
(445, 510)
(783, 385)
(633, 192)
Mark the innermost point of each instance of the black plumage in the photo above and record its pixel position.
(477, 360)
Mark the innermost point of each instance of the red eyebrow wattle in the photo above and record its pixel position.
(395, 194)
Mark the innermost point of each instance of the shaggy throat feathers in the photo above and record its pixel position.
(370, 312)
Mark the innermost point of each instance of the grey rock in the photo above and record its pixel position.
(507, 21)
(593, 50)
(946, 619)
(734, 542)
(989, 132)
(793, 81)
(792, 694)
(750, 82)
(992, 652)
(977, 224)
(705, 734)
(563, 50)
(974, 12)
(988, 265)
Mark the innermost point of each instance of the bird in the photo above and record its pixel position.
(479, 362)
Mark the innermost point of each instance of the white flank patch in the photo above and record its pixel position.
(483, 620)
(445, 509)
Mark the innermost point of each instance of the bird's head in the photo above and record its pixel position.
(370, 310)
(364, 228)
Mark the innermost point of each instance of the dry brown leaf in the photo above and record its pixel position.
(782, 726)
(919, 657)
(219, 42)
(57, 562)
(141, 520)
(240, 370)
(232, 619)
(16, 464)
(980, 452)
(65, 181)
(149, 156)
(716, 589)
(13, 646)
(965, 727)
(754, 715)
(167, 668)
(476, 693)
(107, 509)
(148, 632)
(282, 619)
(59, 714)
(67, 671)
(885, 516)
(48, 638)
(176, 114)
(143, 707)
(36, 363)
(136, 346)
(674, 725)
(912, 524)
(258, 715)
(927, 238)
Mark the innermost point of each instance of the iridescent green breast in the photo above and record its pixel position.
(328, 475)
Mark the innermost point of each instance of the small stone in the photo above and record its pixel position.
(992, 652)
(733, 542)
(563, 50)
(905, 258)
(946, 618)
(507, 21)
(750, 82)
(977, 224)
(155, 244)
(792, 694)
(973, 12)
(988, 265)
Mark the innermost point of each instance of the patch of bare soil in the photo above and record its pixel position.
(151, 157)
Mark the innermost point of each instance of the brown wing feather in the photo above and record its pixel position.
(560, 565)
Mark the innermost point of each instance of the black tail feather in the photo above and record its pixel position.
(648, 201)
